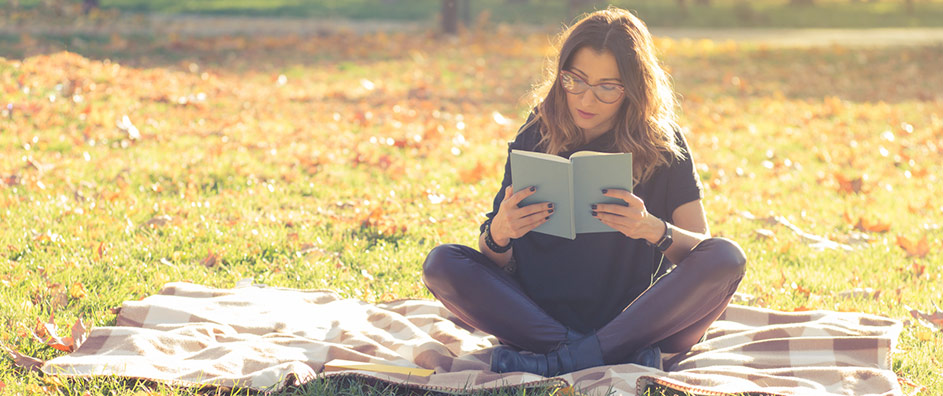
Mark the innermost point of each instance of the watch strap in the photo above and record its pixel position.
(666, 238)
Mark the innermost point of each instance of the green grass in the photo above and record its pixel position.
(721, 13)
(257, 171)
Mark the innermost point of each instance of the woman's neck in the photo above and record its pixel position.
(592, 134)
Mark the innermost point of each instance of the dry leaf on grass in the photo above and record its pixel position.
(917, 249)
(211, 260)
(933, 321)
(22, 361)
(917, 387)
(48, 333)
(867, 225)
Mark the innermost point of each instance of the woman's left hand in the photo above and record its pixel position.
(633, 220)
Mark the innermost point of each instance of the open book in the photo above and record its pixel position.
(573, 185)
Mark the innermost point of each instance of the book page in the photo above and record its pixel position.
(551, 175)
(593, 172)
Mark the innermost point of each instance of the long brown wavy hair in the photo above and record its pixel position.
(646, 121)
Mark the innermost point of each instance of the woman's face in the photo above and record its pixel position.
(590, 114)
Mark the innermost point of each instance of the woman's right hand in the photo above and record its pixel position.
(512, 221)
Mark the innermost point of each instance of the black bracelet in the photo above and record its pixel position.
(489, 240)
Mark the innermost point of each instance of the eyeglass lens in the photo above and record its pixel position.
(606, 93)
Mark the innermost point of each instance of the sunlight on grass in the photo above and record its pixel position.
(308, 163)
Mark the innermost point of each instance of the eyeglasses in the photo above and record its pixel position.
(606, 92)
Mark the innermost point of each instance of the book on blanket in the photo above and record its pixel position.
(341, 365)
(573, 185)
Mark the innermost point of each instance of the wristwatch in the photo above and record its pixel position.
(489, 240)
(665, 240)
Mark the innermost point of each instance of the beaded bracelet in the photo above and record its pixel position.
(489, 240)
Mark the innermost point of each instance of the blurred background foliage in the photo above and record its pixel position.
(453, 13)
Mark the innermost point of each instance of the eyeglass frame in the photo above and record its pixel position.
(590, 87)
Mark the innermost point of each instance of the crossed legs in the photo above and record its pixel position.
(673, 313)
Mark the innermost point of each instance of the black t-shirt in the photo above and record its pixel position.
(585, 282)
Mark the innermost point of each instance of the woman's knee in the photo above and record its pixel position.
(725, 256)
(440, 265)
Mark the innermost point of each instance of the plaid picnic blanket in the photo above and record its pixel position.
(267, 338)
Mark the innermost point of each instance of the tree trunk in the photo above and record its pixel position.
(450, 16)
(89, 5)
(465, 11)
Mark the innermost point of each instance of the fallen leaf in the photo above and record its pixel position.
(917, 249)
(868, 226)
(782, 280)
(78, 291)
(22, 361)
(54, 382)
(918, 388)
(372, 218)
(475, 174)
(212, 259)
(849, 186)
(801, 289)
(101, 250)
(567, 391)
(58, 296)
(932, 321)
(923, 334)
(50, 335)
(79, 333)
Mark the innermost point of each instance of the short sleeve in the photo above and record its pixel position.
(684, 184)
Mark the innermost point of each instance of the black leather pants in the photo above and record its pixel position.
(674, 312)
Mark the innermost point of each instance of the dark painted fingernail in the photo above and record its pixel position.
(594, 206)
(605, 190)
(550, 211)
(594, 213)
(550, 204)
(532, 188)
(547, 218)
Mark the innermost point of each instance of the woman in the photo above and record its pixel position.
(561, 305)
